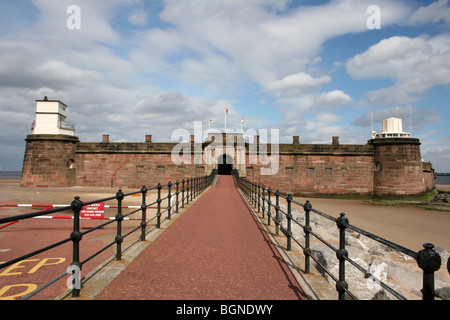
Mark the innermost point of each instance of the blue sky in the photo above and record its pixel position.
(308, 68)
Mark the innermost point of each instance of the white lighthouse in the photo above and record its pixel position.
(391, 128)
(51, 118)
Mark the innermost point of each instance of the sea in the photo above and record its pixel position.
(10, 174)
(443, 180)
(18, 174)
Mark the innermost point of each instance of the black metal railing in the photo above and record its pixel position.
(177, 195)
(262, 199)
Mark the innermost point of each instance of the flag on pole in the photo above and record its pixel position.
(209, 124)
(242, 121)
(226, 112)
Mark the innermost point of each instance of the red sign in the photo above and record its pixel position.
(96, 210)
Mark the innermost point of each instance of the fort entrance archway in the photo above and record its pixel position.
(225, 164)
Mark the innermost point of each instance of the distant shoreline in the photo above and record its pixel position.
(442, 179)
(10, 174)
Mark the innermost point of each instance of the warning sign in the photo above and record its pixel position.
(96, 210)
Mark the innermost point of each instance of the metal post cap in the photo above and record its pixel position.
(428, 259)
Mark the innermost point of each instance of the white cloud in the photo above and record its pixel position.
(333, 98)
(414, 119)
(413, 64)
(138, 17)
(435, 12)
(255, 39)
(297, 83)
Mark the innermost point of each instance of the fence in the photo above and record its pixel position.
(178, 194)
(262, 199)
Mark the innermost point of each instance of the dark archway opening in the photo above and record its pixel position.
(225, 165)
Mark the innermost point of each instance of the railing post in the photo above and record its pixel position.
(263, 199)
(196, 181)
(277, 213)
(158, 210)
(289, 218)
(187, 190)
(191, 188)
(195, 187)
(429, 261)
(269, 203)
(169, 197)
(259, 197)
(76, 237)
(144, 213)
(307, 229)
(119, 219)
(341, 254)
(182, 193)
(176, 196)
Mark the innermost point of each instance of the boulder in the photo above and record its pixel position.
(443, 293)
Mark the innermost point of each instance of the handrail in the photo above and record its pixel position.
(260, 198)
(188, 189)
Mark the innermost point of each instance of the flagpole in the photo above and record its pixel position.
(226, 120)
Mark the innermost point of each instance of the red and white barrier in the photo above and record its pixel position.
(90, 215)
(51, 206)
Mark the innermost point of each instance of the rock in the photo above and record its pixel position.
(379, 252)
(369, 255)
(405, 277)
(380, 295)
(444, 255)
(324, 255)
(379, 270)
(355, 242)
(443, 293)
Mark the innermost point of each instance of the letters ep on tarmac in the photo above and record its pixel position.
(224, 309)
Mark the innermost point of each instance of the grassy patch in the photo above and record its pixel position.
(426, 201)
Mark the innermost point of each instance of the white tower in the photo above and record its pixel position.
(51, 118)
(391, 128)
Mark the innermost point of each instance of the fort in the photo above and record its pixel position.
(389, 164)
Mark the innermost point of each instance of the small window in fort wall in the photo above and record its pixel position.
(70, 164)
(289, 169)
(379, 166)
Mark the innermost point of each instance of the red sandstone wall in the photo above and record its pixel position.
(319, 175)
(131, 170)
(399, 169)
(382, 167)
(429, 176)
(48, 161)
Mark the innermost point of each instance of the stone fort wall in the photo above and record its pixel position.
(382, 167)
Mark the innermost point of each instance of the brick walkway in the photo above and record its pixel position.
(214, 251)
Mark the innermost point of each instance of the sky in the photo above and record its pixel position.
(313, 69)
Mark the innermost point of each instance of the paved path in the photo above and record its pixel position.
(215, 251)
